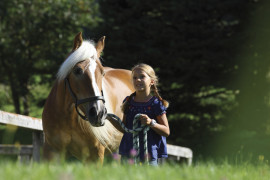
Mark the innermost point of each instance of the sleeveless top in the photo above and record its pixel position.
(157, 146)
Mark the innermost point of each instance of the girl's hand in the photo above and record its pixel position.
(145, 120)
(162, 126)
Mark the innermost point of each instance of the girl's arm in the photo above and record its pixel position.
(161, 127)
(116, 124)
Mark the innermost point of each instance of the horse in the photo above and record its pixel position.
(74, 117)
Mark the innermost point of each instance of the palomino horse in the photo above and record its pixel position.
(74, 116)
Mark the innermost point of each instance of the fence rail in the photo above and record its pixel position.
(20, 120)
(11, 149)
(180, 152)
(27, 151)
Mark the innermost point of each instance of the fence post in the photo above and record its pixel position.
(37, 144)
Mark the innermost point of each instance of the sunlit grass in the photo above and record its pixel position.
(69, 171)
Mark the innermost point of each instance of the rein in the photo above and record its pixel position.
(135, 131)
(81, 101)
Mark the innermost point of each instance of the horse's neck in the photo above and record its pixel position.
(117, 85)
(108, 98)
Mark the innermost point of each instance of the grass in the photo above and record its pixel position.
(113, 171)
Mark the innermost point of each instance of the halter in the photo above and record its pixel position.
(82, 101)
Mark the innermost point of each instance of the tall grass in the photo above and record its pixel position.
(114, 171)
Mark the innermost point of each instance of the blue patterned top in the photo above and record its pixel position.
(157, 146)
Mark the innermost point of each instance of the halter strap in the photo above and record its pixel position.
(81, 101)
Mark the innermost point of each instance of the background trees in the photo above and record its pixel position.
(35, 38)
(191, 45)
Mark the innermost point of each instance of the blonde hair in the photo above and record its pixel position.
(151, 73)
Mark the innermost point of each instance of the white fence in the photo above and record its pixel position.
(24, 152)
(27, 151)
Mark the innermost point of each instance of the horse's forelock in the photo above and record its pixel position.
(86, 50)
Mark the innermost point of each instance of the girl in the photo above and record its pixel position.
(146, 101)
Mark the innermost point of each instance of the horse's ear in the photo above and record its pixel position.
(100, 45)
(77, 41)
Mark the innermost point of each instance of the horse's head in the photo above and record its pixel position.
(83, 73)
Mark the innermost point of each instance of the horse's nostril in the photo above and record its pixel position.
(93, 112)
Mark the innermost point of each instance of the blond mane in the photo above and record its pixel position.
(86, 51)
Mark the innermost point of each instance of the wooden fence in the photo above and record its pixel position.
(25, 152)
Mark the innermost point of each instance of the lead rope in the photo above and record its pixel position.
(135, 131)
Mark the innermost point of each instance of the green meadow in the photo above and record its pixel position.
(113, 171)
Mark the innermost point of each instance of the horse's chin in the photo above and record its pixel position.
(99, 123)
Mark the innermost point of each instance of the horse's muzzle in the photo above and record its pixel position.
(97, 118)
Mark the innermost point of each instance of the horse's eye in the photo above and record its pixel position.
(78, 71)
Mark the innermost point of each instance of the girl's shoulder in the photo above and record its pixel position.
(158, 107)
(156, 102)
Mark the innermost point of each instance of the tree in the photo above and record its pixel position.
(35, 38)
(191, 46)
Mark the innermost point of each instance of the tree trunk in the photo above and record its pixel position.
(14, 88)
(25, 105)
(15, 95)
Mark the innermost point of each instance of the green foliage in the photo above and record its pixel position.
(38, 94)
(191, 44)
(206, 117)
(36, 36)
(5, 96)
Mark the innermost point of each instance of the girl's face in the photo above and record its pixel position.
(141, 81)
